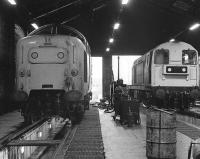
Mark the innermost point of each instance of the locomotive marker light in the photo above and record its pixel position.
(12, 2)
(34, 55)
(107, 49)
(60, 55)
(194, 26)
(169, 69)
(172, 40)
(183, 69)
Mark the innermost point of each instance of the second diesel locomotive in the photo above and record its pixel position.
(53, 73)
(167, 76)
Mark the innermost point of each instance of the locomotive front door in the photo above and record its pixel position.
(46, 76)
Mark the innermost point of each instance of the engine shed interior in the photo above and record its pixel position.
(49, 53)
(143, 23)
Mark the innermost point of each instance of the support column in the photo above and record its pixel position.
(107, 74)
(7, 55)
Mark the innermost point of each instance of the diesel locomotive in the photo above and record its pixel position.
(53, 73)
(167, 76)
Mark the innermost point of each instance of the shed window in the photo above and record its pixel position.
(161, 56)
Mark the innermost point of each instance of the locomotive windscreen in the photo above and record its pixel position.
(161, 56)
(189, 57)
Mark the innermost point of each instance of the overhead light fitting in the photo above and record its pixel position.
(172, 40)
(111, 40)
(12, 2)
(194, 26)
(116, 26)
(34, 25)
(124, 2)
(107, 49)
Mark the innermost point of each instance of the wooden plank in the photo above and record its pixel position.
(33, 142)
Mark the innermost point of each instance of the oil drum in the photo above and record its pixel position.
(160, 134)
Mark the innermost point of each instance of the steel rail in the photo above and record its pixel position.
(59, 153)
(7, 139)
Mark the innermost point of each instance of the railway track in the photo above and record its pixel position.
(82, 141)
(55, 139)
(32, 141)
(4, 141)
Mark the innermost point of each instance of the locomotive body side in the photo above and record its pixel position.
(53, 67)
(170, 69)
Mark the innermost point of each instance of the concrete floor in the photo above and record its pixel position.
(130, 143)
(119, 141)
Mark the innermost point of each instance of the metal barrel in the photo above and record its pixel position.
(124, 107)
(160, 134)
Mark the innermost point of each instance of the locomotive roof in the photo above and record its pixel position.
(144, 23)
(53, 29)
(172, 44)
(168, 45)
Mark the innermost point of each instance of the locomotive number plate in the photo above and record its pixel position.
(176, 69)
(47, 86)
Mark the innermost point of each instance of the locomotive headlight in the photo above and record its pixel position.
(60, 55)
(169, 69)
(183, 69)
(34, 55)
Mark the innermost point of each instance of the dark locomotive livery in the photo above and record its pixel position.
(53, 73)
(167, 76)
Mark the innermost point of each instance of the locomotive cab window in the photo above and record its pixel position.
(161, 56)
(189, 57)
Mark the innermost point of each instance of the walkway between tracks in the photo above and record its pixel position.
(85, 141)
